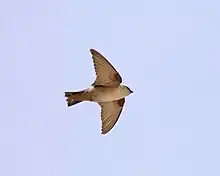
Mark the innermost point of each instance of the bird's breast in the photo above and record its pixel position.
(107, 94)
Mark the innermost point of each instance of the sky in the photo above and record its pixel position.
(167, 52)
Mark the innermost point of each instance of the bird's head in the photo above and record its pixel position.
(127, 89)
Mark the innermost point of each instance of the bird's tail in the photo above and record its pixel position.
(70, 98)
(76, 97)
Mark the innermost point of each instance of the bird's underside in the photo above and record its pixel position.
(107, 78)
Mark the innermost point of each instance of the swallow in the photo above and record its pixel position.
(106, 90)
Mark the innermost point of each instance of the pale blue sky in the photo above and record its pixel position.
(168, 52)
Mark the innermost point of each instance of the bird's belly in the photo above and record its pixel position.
(108, 96)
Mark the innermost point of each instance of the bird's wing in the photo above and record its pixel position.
(106, 74)
(110, 112)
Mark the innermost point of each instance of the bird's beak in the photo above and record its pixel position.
(132, 91)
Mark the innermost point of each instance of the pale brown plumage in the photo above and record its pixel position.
(107, 79)
(110, 113)
(107, 76)
(105, 72)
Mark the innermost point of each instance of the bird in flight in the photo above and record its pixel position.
(106, 90)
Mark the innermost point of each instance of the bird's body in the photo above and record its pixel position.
(100, 94)
(106, 91)
(106, 94)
